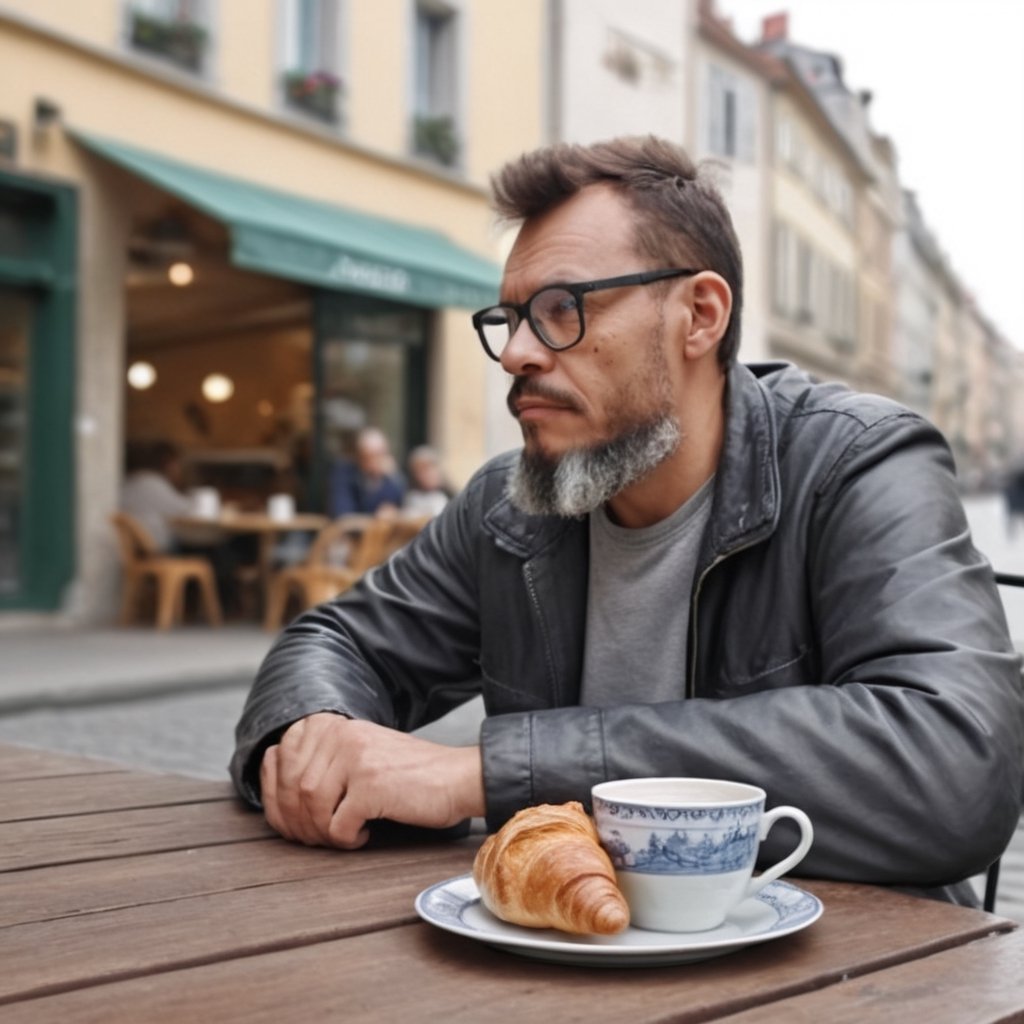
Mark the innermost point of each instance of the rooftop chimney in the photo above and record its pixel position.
(775, 27)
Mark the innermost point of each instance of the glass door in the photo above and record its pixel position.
(371, 372)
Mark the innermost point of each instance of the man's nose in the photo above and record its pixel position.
(525, 353)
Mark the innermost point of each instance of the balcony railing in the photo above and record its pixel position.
(182, 43)
(436, 138)
(317, 93)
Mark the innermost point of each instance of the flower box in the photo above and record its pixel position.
(314, 92)
(181, 42)
(435, 137)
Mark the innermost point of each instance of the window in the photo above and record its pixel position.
(173, 31)
(38, 252)
(804, 282)
(731, 115)
(435, 129)
(311, 83)
(371, 359)
(782, 269)
(15, 330)
(784, 147)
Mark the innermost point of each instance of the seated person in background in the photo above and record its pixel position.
(150, 493)
(428, 491)
(692, 567)
(370, 485)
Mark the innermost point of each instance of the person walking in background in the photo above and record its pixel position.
(429, 490)
(1013, 495)
(371, 484)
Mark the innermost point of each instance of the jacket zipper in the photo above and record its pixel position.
(691, 680)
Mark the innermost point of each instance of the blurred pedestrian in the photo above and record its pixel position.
(1013, 494)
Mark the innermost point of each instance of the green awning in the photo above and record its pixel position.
(317, 243)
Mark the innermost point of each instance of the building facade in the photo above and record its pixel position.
(288, 197)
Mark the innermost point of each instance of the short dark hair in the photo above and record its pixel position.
(682, 218)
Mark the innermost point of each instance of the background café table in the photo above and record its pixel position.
(267, 528)
(127, 896)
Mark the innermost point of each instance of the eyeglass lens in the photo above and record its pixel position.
(556, 317)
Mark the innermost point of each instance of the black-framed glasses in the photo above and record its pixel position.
(555, 312)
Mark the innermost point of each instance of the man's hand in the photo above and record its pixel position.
(330, 775)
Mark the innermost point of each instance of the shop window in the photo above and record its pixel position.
(37, 334)
(435, 124)
(311, 79)
(16, 317)
(173, 31)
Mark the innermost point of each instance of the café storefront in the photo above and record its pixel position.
(293, 323)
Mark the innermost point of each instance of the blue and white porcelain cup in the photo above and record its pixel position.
(684, 849)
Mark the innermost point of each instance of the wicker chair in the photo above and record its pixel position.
(141, 561)
(368, 541)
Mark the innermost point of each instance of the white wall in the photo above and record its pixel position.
(603, 42)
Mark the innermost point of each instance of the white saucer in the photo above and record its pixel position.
(778, 909)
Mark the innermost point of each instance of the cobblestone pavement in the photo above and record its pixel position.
(191, 733)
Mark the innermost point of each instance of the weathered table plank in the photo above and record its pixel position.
(68, 890)
(31, 763)
(360, 894)
(982, 981)
(28, 844)
(55, 796)
(415, 972)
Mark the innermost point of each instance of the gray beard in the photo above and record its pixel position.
(584, 479)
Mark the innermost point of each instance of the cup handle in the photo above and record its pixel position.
(787, 863)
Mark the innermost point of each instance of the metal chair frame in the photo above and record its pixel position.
(1003, 579)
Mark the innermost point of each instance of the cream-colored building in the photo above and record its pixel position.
(818, 184)
(319, 170)
(730, 125)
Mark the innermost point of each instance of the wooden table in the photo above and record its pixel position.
(266, 528)
(126, 896)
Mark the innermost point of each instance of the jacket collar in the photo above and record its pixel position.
(747, 497)
(746, 502)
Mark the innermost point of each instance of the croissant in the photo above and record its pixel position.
(545, 868)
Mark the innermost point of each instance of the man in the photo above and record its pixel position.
(369, 485)
(692, 568)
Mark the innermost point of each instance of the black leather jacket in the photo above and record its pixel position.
(848, 651)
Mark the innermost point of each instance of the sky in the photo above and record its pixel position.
(947, 81)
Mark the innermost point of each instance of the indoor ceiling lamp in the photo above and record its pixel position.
(141, 375)
(181, 274)
(217, 387)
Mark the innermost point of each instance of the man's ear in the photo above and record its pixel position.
(710, 301)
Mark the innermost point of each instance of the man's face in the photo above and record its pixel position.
(373, 455)
(605, 407)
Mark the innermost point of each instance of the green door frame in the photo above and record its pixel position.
(39, 255)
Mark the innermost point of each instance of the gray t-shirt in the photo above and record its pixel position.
(638, 605)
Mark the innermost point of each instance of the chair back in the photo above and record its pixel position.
(406, 527)
(345, 530)
(375, 544)
(134, 541)
(1003, 579)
